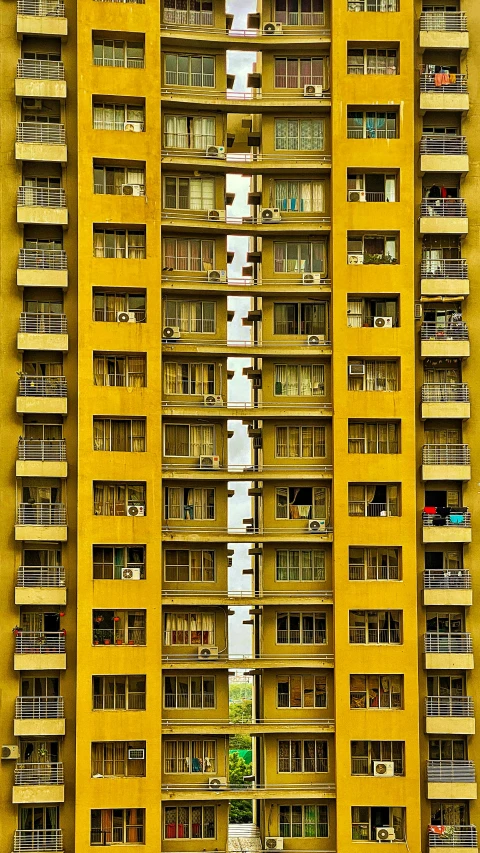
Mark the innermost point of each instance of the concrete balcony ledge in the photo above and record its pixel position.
(442, 588)
(448, 651)
(38, 794)
(455, 163)
(446, 462)
(40, 78)
(443, 30)
(449, 715)
(451, 780)
(42, 18)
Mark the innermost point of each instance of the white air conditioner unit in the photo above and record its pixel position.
(217, 151)
(136, 754)
(270, 214)
(217, 782)
(315, 340)
(213, 400)
(132, 574)
(126, 317)
(383, 768)
(133, 511)
(216, 215)
(357, 195)
(272, 843)
(312, 90)
(311, 278)
(385, 833)
(273, 28)
(217, 275)
(10, 751)
(134, 126)
(355, 259)
(171, 333)
(209, 462)
(32, 103)
(317, 525)
(207, 652)
(383, 322)
(356, 369)
(132, 189)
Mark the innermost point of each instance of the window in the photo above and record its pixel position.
(189, 193)
(108, 304)
(445, 623)
(116, 434)
(303, 821)
(189, 691)
(444, 372)
(373, 437)
(190, 756)
(118, 53)
(189, 822)
(300, 442)
(373, 375)
(365, 752)
(380, 627)
(118, 498)
(189, 629)
(298, 257)
(376, 692)
(293, 134)
(185, 566)
(300, 380)
(450, 813)
(375, 186)
(36, 817)
(119, 243)
(118, 758)
(119, 692)
(189, 440)
(301, 691)
(189, 378)
(188, 255)
(296, 502)
(300, 13)
(303, 756)
(300, 318)
(371, 60)
(119, 626)
(189, 504)
(296, 565)
(300, 196)
(293, 73)
(118, 117)
(188, 13)
(446, 685)
(371, 125)
(40, 687)
(367, 819)
(189, 131)
(304, 629)
(374, 564)
(120, 371)
(373, 5)
(109, 180)
(110, 560)
(372, 249)
(117, 826)
(198, 316)
(362, 312)
(196, 71)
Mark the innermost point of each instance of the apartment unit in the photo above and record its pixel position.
(123, 291)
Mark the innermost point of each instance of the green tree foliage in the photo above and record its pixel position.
(240, 810)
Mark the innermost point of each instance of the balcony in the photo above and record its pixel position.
(444, 340)
(36, 840)
(40, 585)
(41, 142)
(458, 839)
(41, 206)
(38, 783)
(448, 651)
(444, 277)
(442, 587)
(42, 332)
(446, 462)
(41, 18)
(451, 715)
(42, 268)
(443, 30)
(39, 650)
(445, 400)
(451, 780)
(40, 78)
(444, 153)
(443, 216)
(42, 395)
(373, 5)
(443, 92)
(453, 525)
(41, 458)
(41, 522)
(37, 716)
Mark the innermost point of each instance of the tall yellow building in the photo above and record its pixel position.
(359, 136)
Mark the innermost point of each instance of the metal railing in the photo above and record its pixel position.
(453, 22)
(445, 392)
(39, 708)
(363, 766)
(452, 84)
(443, 143)
(124, 62)
(129, 252)
(188, 17)
(43, 324)
(39, 642)
(195, 700)
(452, 644)
(40, 69)
(453, 836)
(374, 572)
(373, 5)
(452, 330)
(41, 576)
(447, 579)
(117, 834)
(120, 702)
(300, 19)
(446, 454)
(42, 514)
(383, 636)
(41, 450)
(305, 638)
(372, 510)
(450, 771)
(42, 386)
(449, 706)
(134, 636)
(42, 259)
(206, 216)
(189, 91)
(48, 133)
(444, 269)
(41, 197)
(41, 8)
(247, 721)
(108, 124)
(38, 840)
(371, 69)
(104, 189)
(37, 773)
(443, 207)
(458, 518)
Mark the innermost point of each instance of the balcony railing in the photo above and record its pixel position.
(373, 5)
(42, 386)
(40, 450)
(443, 207)
(452, 836)
(372, 510)
(43, 324)
(443, 143)
(42, 259)
(452, 84)
(41, 576)
(451, 644)
(40, 69)
(41, 8)
(453, 330)
(445, 22)
(188, 18)
(39, 642)
(49, 773)
(446, 454)
(447, 579)
(39, 708)
(433, 268)
(120, 702)
(307, 637)
(449, 706)
(195, 700)
(116, 835)
(390, 636)
(42, 514)
(35, 840)
(41, 197)
(445, 392)
(48, 133)
(454, 518)
(300, 19)
(450, 771)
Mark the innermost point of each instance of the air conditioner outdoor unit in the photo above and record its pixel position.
(217, 275)
(134, 126)
(217, 151)
(10, 751)
(218, 215)
(136, 754)
(132, 189)
(385, 833)
(213, 400)
(209, 462)
(315, 340)
(273, 28)
(311, 278)
(356, 369)
(317, 525)
(216, 782)
(133, 511)
(171, 333)
(383, 768)
(312, 90)
(32, 103)
(383, 322)
(273, 843)
(126, 317)
(270, 214)
(418, 311)
(207, 652)
(357, 195)
(132, 574)
(355, 259)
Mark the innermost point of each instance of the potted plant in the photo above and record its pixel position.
(96, 639)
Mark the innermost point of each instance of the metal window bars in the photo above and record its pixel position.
(41, 8)
(48, 133)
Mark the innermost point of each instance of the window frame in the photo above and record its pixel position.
(189, 811)
(110, 836)
(297, 763)
(188, 695)
(203, 568)
(116, 760)
(116, 703)
(318, 572)
(319, 632)
(287, 810)
(316, 132)
(204, 507)
(131, 439)
(116, 568)
(319, 442)
(371, 634)
(303, 691)
(383, 568)
(367, 699)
